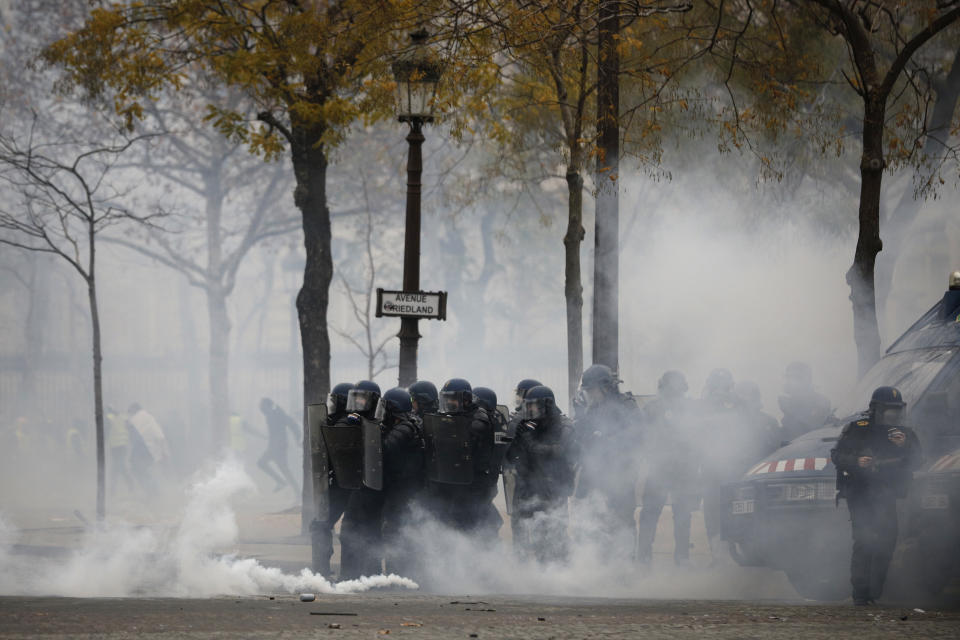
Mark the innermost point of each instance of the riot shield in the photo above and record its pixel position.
(372, 455)
(345, 451)
(449, 455)
(316, 417)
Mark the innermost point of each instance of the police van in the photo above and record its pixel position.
(784, 513)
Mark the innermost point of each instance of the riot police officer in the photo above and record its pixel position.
(542, 455)
(875, 459)
(509, 473)
(462, 477)
(673, 467)
(360, 553)
(721, 443)
(610, 432)
(403, 477)
(321, 531)
(423, 394)
(803, 408)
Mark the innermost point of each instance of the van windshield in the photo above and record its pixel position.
(909, 371)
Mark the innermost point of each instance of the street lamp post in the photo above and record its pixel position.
(417, 73)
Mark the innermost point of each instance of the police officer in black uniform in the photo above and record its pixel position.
(803, 408)
(468, 507)
(423, 394)
(673, 468)
(875, 459)
(722, 441)
(403, 477)
(322, 530)
(360, 552)
(543, 455)
(610, 437)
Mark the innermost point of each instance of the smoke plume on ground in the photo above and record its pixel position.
(187, 560)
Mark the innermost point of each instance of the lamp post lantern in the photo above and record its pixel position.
(417, 72)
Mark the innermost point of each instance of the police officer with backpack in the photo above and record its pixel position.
(360, 553)
(543, 454)
(610, 433)
(321, 531)
(403, 478)
(461, 471)
(875, 458)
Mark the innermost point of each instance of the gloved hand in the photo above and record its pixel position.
(526, 427)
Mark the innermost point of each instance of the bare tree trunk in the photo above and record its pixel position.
(860, 277)
(904, 214)
(606, 262)
(573, 284)
(97, 377)
(310, 168)
(219, 367)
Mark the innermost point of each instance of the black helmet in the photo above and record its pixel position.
(719, 383)
(887, 406)
(599, 376)
(393, 402)
(424, 393)
(456, 396)
(672, 384)
(486, 398)
(337, 400)
(363, 398)
(539, 403)
(522, 387)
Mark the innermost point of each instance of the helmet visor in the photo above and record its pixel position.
(519, 400)
(360, 400)
(381, 410)
(891, 416)
(453, 401)
(534, 409)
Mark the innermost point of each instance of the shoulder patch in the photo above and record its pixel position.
(863, 423)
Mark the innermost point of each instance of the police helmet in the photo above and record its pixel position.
(599, 376)
(539, 403)
(456, 396)
(363, 398)
(393, 402)
(424, 393)
(672, 384)
(337, 400)
(719, 382)
(486, 398)
(522, 387)
(887, 406)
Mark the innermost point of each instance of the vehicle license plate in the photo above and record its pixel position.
(741, 507)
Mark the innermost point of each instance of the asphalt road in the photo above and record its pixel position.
(378, 615)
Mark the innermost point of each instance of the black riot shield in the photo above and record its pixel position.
(449, 456)
(316, 418)
(372, 455)
(345, 451)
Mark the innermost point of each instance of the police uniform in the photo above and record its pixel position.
(610, 439)
(871, 492)
(542, 455)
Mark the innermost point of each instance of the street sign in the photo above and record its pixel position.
(412, 304)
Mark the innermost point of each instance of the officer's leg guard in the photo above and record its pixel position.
(654, 497)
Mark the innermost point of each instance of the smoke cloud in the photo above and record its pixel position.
(183, 561)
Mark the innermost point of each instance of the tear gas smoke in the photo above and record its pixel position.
(184, 561)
